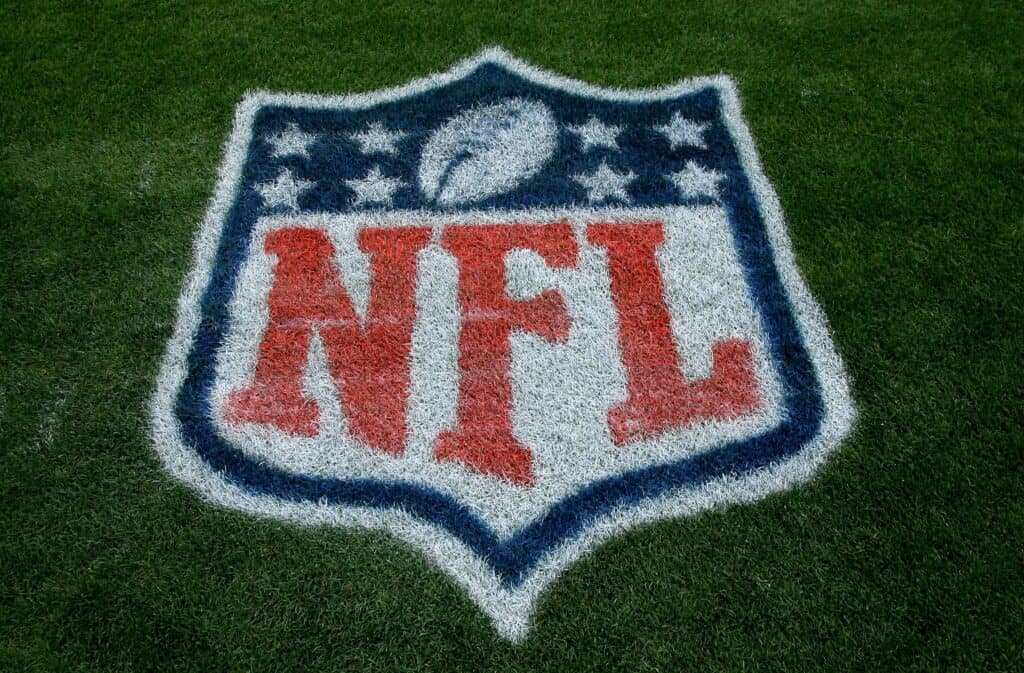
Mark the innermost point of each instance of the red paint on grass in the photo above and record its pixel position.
(368, 361)
(658, 397)
(483, 437)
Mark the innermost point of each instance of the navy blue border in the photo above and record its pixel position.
(513, 558)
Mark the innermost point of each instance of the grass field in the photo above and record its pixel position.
(895, 138)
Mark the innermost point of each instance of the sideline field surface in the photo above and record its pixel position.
(895, 139)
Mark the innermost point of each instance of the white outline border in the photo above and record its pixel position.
(509, 609)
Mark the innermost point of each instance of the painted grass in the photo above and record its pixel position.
(895, 137)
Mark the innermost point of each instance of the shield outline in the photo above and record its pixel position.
(509, 606)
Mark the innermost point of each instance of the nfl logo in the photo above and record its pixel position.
(501, 314)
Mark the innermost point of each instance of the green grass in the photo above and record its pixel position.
(895, 137)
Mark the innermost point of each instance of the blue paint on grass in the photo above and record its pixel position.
(335, 157)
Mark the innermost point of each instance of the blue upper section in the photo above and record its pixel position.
(335, 158)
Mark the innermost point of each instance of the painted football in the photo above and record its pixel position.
(487, 151)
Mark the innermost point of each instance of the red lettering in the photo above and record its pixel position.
(483, 437)
(658, 397)
(368, 360)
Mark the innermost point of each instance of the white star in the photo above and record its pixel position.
(682, 131)
(292, 140)
(596, 133)
(284, 191)
(378, 140)
(605, 183)
(694, 181)
(374, 188)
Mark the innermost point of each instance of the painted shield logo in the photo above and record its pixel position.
(500, 314)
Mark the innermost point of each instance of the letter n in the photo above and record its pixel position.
(368, 359)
